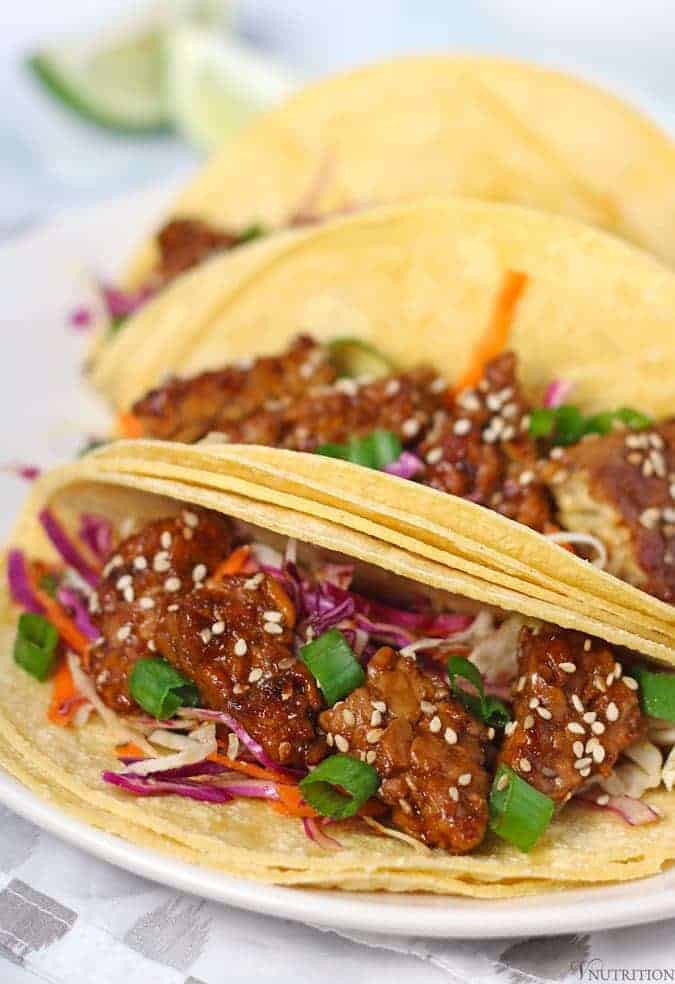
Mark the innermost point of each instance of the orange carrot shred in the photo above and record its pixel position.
(65, 698)
(69, 632)
(233, 563)
(129, 751)
(129, 425)
(496, 336)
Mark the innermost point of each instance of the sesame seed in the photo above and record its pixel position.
(464, 779)
(438, 385)
(375, 718)
(450, 736)
(610, 679)
(544, 713)
(371, 756)
(526, 477)
(129, 594)
(255, 675)
(392, 387)
(490, 733)
(187, 533)
(502, 782)
(427, 707)
(461, 426)
(602, 800)
(510, 728)
(591, 744)
(341, 743)
(161, 562)
(612, 712)
(114, 562)
(123, 582)
(166, 539)
(410, 427)
(576, 702)
(587, 645)
(597, 728)
(598, 754)
(253, 582)
(521, 683)
(273, 628)
(585, 773)
(453, 793)
(528, 722)
(434, 456)
(618, 670)
(575, 728)
(206, 636)
(590, 716)
(379, 705)
(568, 667)
(190, 519)
(373, 736)
(240, 647)
(272, 616)
(198, 572)
(151, 645)
(172, 584)
(348, 717)
(534, 702)
(525, 765)
(578, 749)
(123, 632)
(630, 682)
(583, 763)
(146, 603)
(556, 453)
(172, 608)
(140, 563)
(435, 724)
(330, 740)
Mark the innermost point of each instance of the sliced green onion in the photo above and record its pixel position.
(375, 450)
(567, 425)
(354, 357)
(35, 645)
(542, 422)
(331, 660)
(657, 693)
(254, 231)
(487, 709)
(49, 583)
(159, 689)
(570, 424)
(519, 813)
(117, 323)
(339, 785)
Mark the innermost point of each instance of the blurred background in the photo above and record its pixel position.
(216, 62)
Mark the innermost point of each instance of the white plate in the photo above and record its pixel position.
(49, 412)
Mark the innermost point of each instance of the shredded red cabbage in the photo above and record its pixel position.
(70, 599)
(96, 532)
(313, 830)
(391, 635)
(256, 749)
(28, 472)
(147, 786)
(19, 584)
(120, 303)
(81, 318)
(407, 465)
(632, 810)
(557, 392)
(66, 548)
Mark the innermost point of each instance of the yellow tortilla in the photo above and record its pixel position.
(418, 281)
(474, 126)
(245, 838)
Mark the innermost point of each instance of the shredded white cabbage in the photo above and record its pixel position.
(639, 769)
(191, 752)
(496, 653)
(583, 540)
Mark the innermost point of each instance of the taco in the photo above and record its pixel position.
(542, 392)
(473, 126)
(284, 696)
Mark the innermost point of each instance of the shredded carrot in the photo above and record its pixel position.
(62, 622)
(129, 425)
(129, 751)
(233, 563)
(249, 769)
(291, 799)
(496, 336)
(65, 698)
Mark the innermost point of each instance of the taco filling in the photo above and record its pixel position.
(601, 485)
(224, 669)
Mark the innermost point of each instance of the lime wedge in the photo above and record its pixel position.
(214, 84)
(117, 83)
